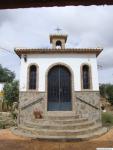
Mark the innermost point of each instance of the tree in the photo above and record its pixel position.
(103, 90)
(11, 92)
(106, 91)
(109, 93)
(6, 75)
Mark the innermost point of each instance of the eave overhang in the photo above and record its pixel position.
(21, 51)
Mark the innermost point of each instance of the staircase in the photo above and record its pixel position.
(61, 128)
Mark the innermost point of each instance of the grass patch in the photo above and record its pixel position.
(107, 119)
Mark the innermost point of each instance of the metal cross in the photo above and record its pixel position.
(58, 29)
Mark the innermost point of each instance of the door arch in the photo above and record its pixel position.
(59, 89)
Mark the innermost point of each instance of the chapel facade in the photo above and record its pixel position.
(62, 84)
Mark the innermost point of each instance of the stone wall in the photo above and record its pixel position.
(29, 102)
(27, 96)
(84, 110)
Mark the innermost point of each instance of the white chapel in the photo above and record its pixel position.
(61, 86)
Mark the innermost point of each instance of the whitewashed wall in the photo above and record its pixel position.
(1, 86)
(44, 61)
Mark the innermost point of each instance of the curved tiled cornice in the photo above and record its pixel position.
(20, 51)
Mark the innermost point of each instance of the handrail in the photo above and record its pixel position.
(87, 103)
(32, 103)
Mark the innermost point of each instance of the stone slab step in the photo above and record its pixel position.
(61, 117)
(88, 136)
(48, 125)
(69, 121)
(60, 132)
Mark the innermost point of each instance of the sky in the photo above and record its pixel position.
(87, 27)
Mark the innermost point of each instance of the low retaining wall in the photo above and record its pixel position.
(28, 102)
(91, 97)
(29, 99)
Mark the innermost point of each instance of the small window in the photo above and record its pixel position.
(86, 77)
(58, 44)
(32, 77)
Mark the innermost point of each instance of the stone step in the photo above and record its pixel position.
(88, 136)
(61, 117)
(50, 132)
(69, 121)
(52, 125)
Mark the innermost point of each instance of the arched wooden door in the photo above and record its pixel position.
(59, 89)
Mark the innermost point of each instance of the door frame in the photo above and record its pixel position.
(72, 90)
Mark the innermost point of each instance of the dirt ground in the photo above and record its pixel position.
(8, 141)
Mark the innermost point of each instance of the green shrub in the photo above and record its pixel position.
(2, 125)
(106, 91)
(107, 119)
(11, 92)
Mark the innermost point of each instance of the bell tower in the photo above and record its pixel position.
(58, 41)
